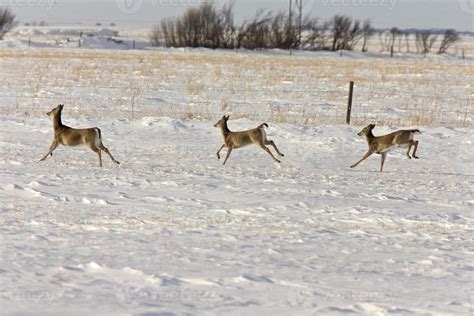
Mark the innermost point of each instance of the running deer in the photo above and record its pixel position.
(68, 136)
(234, 140)
(382, 144)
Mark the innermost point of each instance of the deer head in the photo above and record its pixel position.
(366, 130)
(55, 111)
(222, 122)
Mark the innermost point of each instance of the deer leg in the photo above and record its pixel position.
(414, 151)
(269, 152)
(108, 153)
(219, 151)
(363, 158)
(409, 148)
(228, 154)
(270, 142)
(97, 151)
(53, 146)
(382, 161)
(100, 157)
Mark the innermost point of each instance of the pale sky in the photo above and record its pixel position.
(458, 14)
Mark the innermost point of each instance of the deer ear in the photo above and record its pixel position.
(227, 117)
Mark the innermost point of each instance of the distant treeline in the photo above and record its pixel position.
(212, 27)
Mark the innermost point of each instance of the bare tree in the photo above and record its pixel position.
(212, 27)
(424, 41)
(156, 36)
(315, 34)
(394, 34)
(167, 30)
(7, 21)
(269, 30)
(340, 26)
(203, 26)
(252, 34)
(300, 22)
(406, 35)
(450, 37)
(354, 35)
(400, 39)
(325, 35)
(382, 40)
(345, 32)
(227, 23)
(367, 32)
(283, 33)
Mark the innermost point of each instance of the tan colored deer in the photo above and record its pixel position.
(382, 144)
(68, 136)
(234, 140)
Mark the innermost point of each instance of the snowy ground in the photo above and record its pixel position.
(304, 88)
(172, 231)
(309, 88)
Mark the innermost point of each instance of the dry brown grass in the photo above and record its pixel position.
(222, 82)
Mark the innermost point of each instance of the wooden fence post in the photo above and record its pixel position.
(349, 102)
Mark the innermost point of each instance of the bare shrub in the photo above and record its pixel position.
(394, 33)
(7, 21)
(267, 30)
(208, 26)
(345, 32)
(211, 27)
(253, 34)
(203, 26)
(156, 36)
(424, 41)
(384, 40)
(283, 32)
(406, 36)
(315, 35)
(367, 32)
(450, 37)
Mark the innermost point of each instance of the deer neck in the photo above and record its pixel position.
(225, 131)
(57, 123)
(369, 137)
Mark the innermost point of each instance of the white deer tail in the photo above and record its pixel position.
(98, 137)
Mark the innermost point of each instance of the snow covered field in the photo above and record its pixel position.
(171, 231)
(305, 88)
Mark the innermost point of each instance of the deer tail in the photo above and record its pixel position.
(263, 125)
(98, 131)
(415, 131)
(98, 139)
